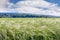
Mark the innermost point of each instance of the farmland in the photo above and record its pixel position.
(29, 29)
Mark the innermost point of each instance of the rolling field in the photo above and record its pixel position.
(29, 29)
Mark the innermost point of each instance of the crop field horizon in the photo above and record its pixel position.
(29, 29)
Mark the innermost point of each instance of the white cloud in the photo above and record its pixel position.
(2, 3)
(37, 7)
(28, 9)
(32, 7)
(34, 3)
(5, 6)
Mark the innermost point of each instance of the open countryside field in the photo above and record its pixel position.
(29, 29)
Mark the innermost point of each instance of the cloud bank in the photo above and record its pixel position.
(36, 7)
(5, 6)
(39, 7)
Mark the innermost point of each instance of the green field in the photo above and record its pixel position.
(29, 29)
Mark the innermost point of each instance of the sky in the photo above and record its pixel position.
(38, 7)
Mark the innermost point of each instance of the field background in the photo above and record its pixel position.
(29, 28)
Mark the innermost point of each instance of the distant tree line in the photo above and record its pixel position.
(24, 15)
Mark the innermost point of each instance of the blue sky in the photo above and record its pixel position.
(54, 1)
(46, 7)
(14, 1)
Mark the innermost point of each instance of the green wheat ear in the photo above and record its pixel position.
(30, 29)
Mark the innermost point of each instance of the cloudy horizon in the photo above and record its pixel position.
(39, 7)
